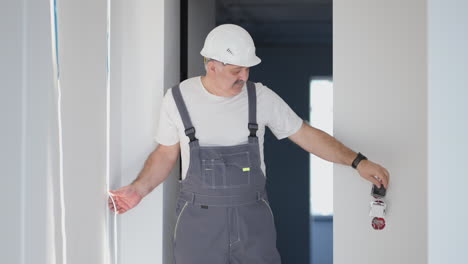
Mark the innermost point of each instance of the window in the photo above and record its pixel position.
(321, 171)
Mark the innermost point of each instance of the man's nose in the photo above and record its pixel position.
(244, 75)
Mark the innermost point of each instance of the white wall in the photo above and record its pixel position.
(11, 106)
(144, 61)
(380, 99)
(28, 136)
(448, 127)
(82, 48)
(201, 20)
(136, 66)
(400, 66)
(399, 98)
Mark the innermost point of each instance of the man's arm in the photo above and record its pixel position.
(323, 145)
(157, 167)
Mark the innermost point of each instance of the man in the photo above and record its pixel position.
(218, 122)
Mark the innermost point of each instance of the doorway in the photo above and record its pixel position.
(294, 41)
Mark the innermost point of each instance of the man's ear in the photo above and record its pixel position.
(210, 66)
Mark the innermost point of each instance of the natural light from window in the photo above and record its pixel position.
(321, 171)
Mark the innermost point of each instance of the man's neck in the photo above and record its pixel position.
(209, 85)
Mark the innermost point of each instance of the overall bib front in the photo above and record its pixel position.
(223, 213)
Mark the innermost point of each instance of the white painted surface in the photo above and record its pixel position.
(82, 57)
(141, 68)
(380, 68)
(12, 140)
(448, 130)
(31, 230)
(27, 137)
(380, 99)
(144, 61)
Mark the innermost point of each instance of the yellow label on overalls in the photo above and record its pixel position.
(245, 169)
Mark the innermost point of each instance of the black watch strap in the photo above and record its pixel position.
(358, 159)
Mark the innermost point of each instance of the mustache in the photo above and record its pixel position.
(239, 82)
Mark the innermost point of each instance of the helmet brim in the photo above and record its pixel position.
(249, 63)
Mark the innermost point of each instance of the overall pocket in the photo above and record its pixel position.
(213, 171)
(237, 168)
(229, 171)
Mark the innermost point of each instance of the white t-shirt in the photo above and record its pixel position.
(222, 121)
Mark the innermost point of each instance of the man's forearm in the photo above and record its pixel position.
(156, 169)
(328, 148)
(323, 145)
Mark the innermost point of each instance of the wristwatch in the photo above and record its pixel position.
(358, 159)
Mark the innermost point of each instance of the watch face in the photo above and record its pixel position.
(378, 192)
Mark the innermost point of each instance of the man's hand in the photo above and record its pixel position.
(125, 198)
(373, 172)
(156, 170)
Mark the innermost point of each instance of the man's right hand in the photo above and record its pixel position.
(125, 198)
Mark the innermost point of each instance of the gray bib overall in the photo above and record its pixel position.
(223, 214)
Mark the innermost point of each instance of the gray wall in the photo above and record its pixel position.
(171, 77)
(448, 127)
(201, 20)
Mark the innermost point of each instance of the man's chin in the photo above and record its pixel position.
(236, 90)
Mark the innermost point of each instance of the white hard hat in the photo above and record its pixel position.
(230, 44)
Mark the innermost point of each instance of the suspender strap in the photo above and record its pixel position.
(252, 94)
(189, 129)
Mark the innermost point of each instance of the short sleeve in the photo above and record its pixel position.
(282, 120)
(166, 132)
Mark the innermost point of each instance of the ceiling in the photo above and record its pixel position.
(276, 22)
